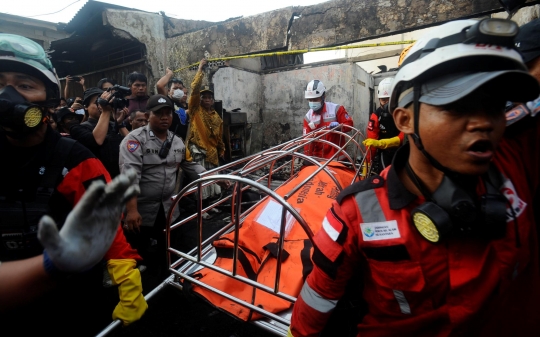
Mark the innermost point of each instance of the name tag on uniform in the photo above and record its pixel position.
(373, 231)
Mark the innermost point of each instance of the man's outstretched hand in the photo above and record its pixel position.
(90, 228)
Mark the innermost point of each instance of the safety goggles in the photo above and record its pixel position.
(24, 50)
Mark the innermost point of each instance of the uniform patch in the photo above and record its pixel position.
(374, 231)
(516, 114)
(132, 145)
(518, 205)
(347, 116)
(370, 125)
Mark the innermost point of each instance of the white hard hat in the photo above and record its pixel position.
(383, 91)
(462, 56)
(315, 89)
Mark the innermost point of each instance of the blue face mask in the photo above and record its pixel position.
(315, 105)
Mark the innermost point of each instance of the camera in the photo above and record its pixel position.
(118, 100)
(75, 79)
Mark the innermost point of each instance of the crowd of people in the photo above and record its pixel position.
(59, 149)
(444, 236)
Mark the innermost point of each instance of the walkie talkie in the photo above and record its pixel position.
(164, 151)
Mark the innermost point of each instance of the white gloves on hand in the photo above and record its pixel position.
(90, 227)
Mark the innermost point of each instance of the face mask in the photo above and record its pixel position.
(315, 105)
(17, 114)
(178, 94)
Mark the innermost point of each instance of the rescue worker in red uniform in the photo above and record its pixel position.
(382, 135)
(323, 115)
(48, 174)
(445, 238)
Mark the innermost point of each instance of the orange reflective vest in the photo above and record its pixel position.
(258, 248)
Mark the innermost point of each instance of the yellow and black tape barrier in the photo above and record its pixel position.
(220, 61)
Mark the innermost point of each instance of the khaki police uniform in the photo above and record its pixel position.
(156, 176)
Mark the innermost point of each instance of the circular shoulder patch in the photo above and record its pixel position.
(132, 145)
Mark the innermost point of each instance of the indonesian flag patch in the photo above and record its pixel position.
(132, 145)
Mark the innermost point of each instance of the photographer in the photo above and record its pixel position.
(73, 79)
(100, 133)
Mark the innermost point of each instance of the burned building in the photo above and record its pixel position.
(112, 41)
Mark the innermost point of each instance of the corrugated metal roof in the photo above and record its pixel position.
(89, 12)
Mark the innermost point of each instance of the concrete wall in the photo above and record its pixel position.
(285, 106)
(275, 102)
(522, 16)
(345, 21)
(239, 89)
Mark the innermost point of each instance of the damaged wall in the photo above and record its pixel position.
(252, 34)
(523, 15)
(285, 106)
(147, 28)
(346, 21)
(275, 102)
(239, 89)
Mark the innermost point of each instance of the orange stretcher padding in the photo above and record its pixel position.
(257, 253)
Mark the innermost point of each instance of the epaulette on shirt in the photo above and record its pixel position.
(364, 185)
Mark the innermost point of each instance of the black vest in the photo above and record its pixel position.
(387, 127)
(23, 203)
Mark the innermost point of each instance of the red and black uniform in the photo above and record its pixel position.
(331, 112)
(461, 286)
(381, 126)
(79, 305)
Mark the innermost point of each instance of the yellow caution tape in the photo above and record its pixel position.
(299, 51)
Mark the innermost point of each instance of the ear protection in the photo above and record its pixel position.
(19, 115)
(450, 211)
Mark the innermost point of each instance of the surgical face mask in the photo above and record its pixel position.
(178, 94)
(315, 105)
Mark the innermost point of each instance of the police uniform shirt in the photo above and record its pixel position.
(156, 176)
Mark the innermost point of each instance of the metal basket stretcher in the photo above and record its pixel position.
(182, 265)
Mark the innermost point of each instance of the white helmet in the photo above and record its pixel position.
(482, 48)
(315, 89)
(383, 91)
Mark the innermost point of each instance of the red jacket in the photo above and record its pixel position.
(462, 286)
(331, 112)
(373, 132)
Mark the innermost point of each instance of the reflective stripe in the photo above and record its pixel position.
(369, 206)
(306, 118)
(329, 119)
(332, 233)
(315, 301)
(402, 301)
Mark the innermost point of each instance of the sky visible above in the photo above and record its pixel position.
(209, 10)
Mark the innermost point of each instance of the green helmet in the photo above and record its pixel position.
(19, 54)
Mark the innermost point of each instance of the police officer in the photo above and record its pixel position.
(48, 174)
(382, 135)
(155, 153)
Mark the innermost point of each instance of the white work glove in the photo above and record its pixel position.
(90, 227)
(333, 124)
